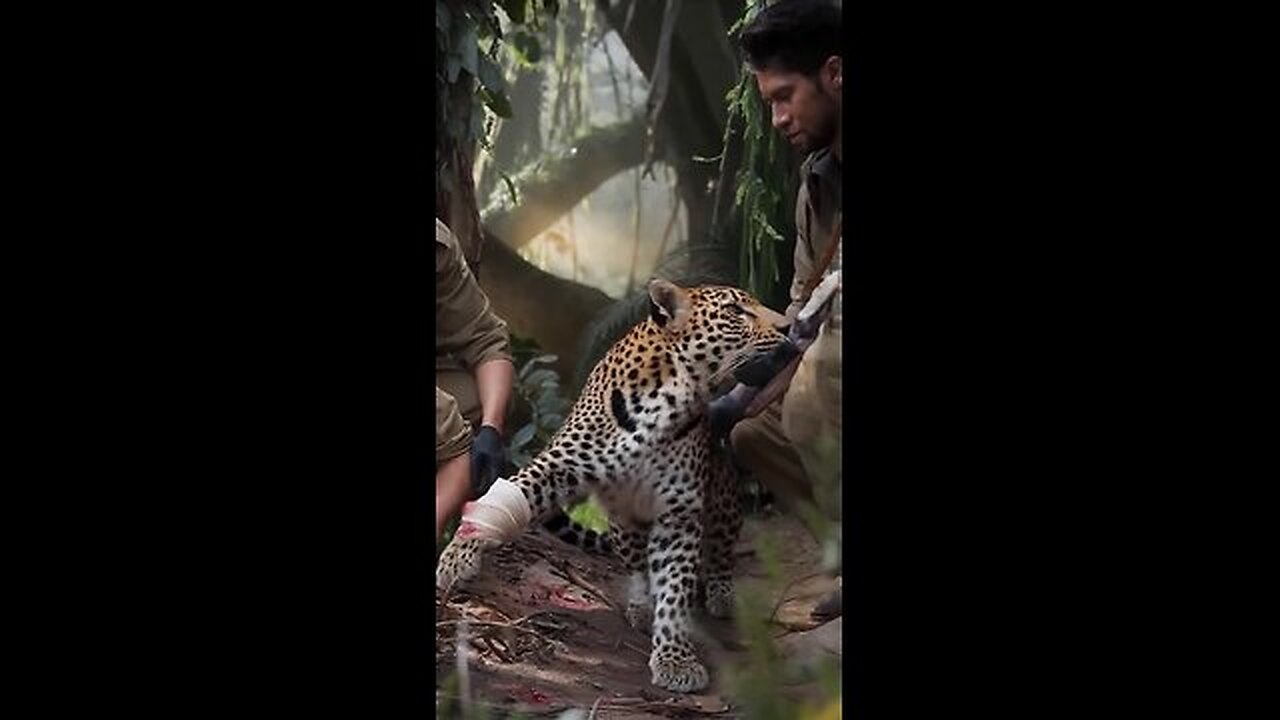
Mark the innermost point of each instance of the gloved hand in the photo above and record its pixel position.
(805, 331)
(758, 371)
(488, 457)
(727, 410)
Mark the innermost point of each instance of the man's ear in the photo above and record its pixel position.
(832, 73)
(668, 304)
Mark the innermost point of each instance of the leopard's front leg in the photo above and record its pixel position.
(501, 515)
(460, 561)
(629, 541)
(674, 547)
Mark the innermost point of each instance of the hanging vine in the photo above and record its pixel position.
(766, 187)
(468, 79)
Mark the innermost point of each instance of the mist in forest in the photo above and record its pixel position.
(596, 243)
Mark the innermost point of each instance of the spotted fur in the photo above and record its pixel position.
(576, 534)
(637, 438)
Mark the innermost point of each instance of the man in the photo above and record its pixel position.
(453, 460)
(793, 48)
(474, 373)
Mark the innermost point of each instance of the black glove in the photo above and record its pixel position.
(725, 411)
(758, 371)
(488, 457)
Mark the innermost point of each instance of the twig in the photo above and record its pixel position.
(661, 76)
(489, 623)
(633, 647)
(568, 573)
(595, 706)
(564, 570)
(464, 676)
(671, 222)
(493, 644)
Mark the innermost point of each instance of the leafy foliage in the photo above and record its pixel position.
(766, 188)
(757, 679)
(539, 387)
(590, 514)
(469, 37)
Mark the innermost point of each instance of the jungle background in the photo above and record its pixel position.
(583, 147)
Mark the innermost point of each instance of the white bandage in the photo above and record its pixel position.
(820, 295)
(500, 514)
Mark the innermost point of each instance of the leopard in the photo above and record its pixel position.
(639, 440)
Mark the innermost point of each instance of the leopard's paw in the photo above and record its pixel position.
(677, 669)
(459, 562)
(640, 616)
(720, 598)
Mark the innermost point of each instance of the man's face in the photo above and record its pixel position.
(806, 108)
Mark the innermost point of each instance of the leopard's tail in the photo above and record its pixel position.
(560, 525)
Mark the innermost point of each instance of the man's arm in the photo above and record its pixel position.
(466, 325)
(803, 258)
(453, 460)
(453, 483)
(494, 380)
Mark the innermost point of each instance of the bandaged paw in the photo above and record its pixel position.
(500, 514)
(821, 294)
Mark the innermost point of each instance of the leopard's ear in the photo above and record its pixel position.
(668, 304)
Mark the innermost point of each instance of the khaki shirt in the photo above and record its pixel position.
(818, 211)
(453, 434)
(467, 331)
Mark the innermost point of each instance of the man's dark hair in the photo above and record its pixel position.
(793, 36)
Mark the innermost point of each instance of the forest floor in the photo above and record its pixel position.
(547, 634)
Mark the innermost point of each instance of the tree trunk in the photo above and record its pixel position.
(703, 69)
(553, 311)
(456, 200)
(536, 304)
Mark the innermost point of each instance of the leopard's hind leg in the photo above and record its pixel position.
(629, 541)
(722, 522)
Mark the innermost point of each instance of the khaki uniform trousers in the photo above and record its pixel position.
(462, 386)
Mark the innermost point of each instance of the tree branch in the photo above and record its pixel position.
(536, 304)
(549, 189)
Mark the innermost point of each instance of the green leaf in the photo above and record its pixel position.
(491, 76)
(511, 187)
(526, 48)
(452, 66)
(515, 10)
(498, 103)
(522, 436)
(539, 378)
(551, 421)
(547, 398)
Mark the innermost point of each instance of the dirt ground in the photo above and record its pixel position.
(546, 633)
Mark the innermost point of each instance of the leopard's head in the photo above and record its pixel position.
(714, 328)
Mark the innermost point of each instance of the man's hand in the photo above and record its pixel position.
(758, 371)
(488, 457)
(725, 411)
